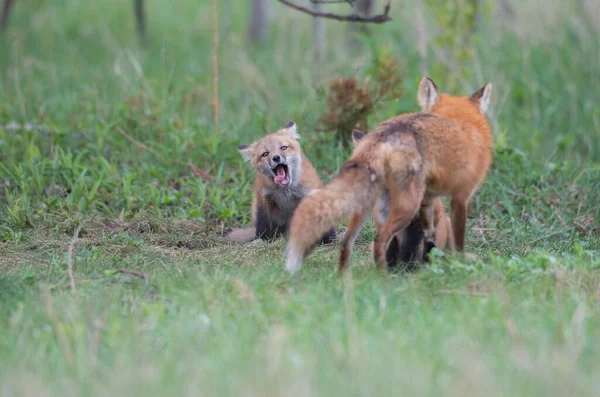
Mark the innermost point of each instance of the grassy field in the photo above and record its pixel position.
(100, 135)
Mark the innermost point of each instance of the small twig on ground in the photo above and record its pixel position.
(349, 18)
(138, 143)
(70, 257)
(483, 229)
(477, 294)
(136, 273)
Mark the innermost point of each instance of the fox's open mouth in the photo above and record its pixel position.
(282, 174)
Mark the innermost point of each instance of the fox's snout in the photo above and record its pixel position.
(277, 159)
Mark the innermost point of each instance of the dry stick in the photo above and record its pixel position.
(477, 294)
(350, 18)
(215, 34)
(136, 273)
(197, 171)
(70, 257)
(140, 144)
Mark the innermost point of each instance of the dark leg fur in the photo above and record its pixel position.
(410, 251)
(328, 237)
(264, 228)
(392, 255)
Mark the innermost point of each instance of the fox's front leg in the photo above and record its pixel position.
(265, 229)
(356, 222)
(379, 247)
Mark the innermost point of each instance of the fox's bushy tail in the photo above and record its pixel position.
(351, 191)
(243, 235)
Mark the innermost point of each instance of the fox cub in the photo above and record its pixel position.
(284, 176)
(400, 169)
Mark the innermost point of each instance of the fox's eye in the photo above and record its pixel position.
(265, 154)
(283, 147)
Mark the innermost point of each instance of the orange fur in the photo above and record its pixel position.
(463, 162)
(404, 165)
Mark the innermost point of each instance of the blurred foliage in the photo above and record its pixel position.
(456, 25)
(349, 103)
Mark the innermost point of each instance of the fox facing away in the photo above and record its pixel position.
(408, 245)
(399, 170)
(283, 177)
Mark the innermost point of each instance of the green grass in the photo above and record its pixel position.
(98, 132)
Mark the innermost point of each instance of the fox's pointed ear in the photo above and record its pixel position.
(428, 94)
(357, 136)
(247, 151)
(292, 130)
(482, 97)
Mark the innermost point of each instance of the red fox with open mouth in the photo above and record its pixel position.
(284, 176)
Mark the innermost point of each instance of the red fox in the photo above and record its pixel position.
(283, 177)
(413, 159)
(409, 245)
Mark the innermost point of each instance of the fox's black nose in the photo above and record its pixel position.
(276, 158)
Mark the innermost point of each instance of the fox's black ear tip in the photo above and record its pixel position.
(357, 134)
(429, 80)
(290, 124)
(242, 147)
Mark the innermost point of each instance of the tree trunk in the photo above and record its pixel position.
(260, 21)
(319, 35)
(140, 17)
(363, 8)
(6, 9)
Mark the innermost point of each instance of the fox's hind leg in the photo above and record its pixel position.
(458, 212)
(356, 222)
(403, 208)
(426, 214)
(397, 221)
